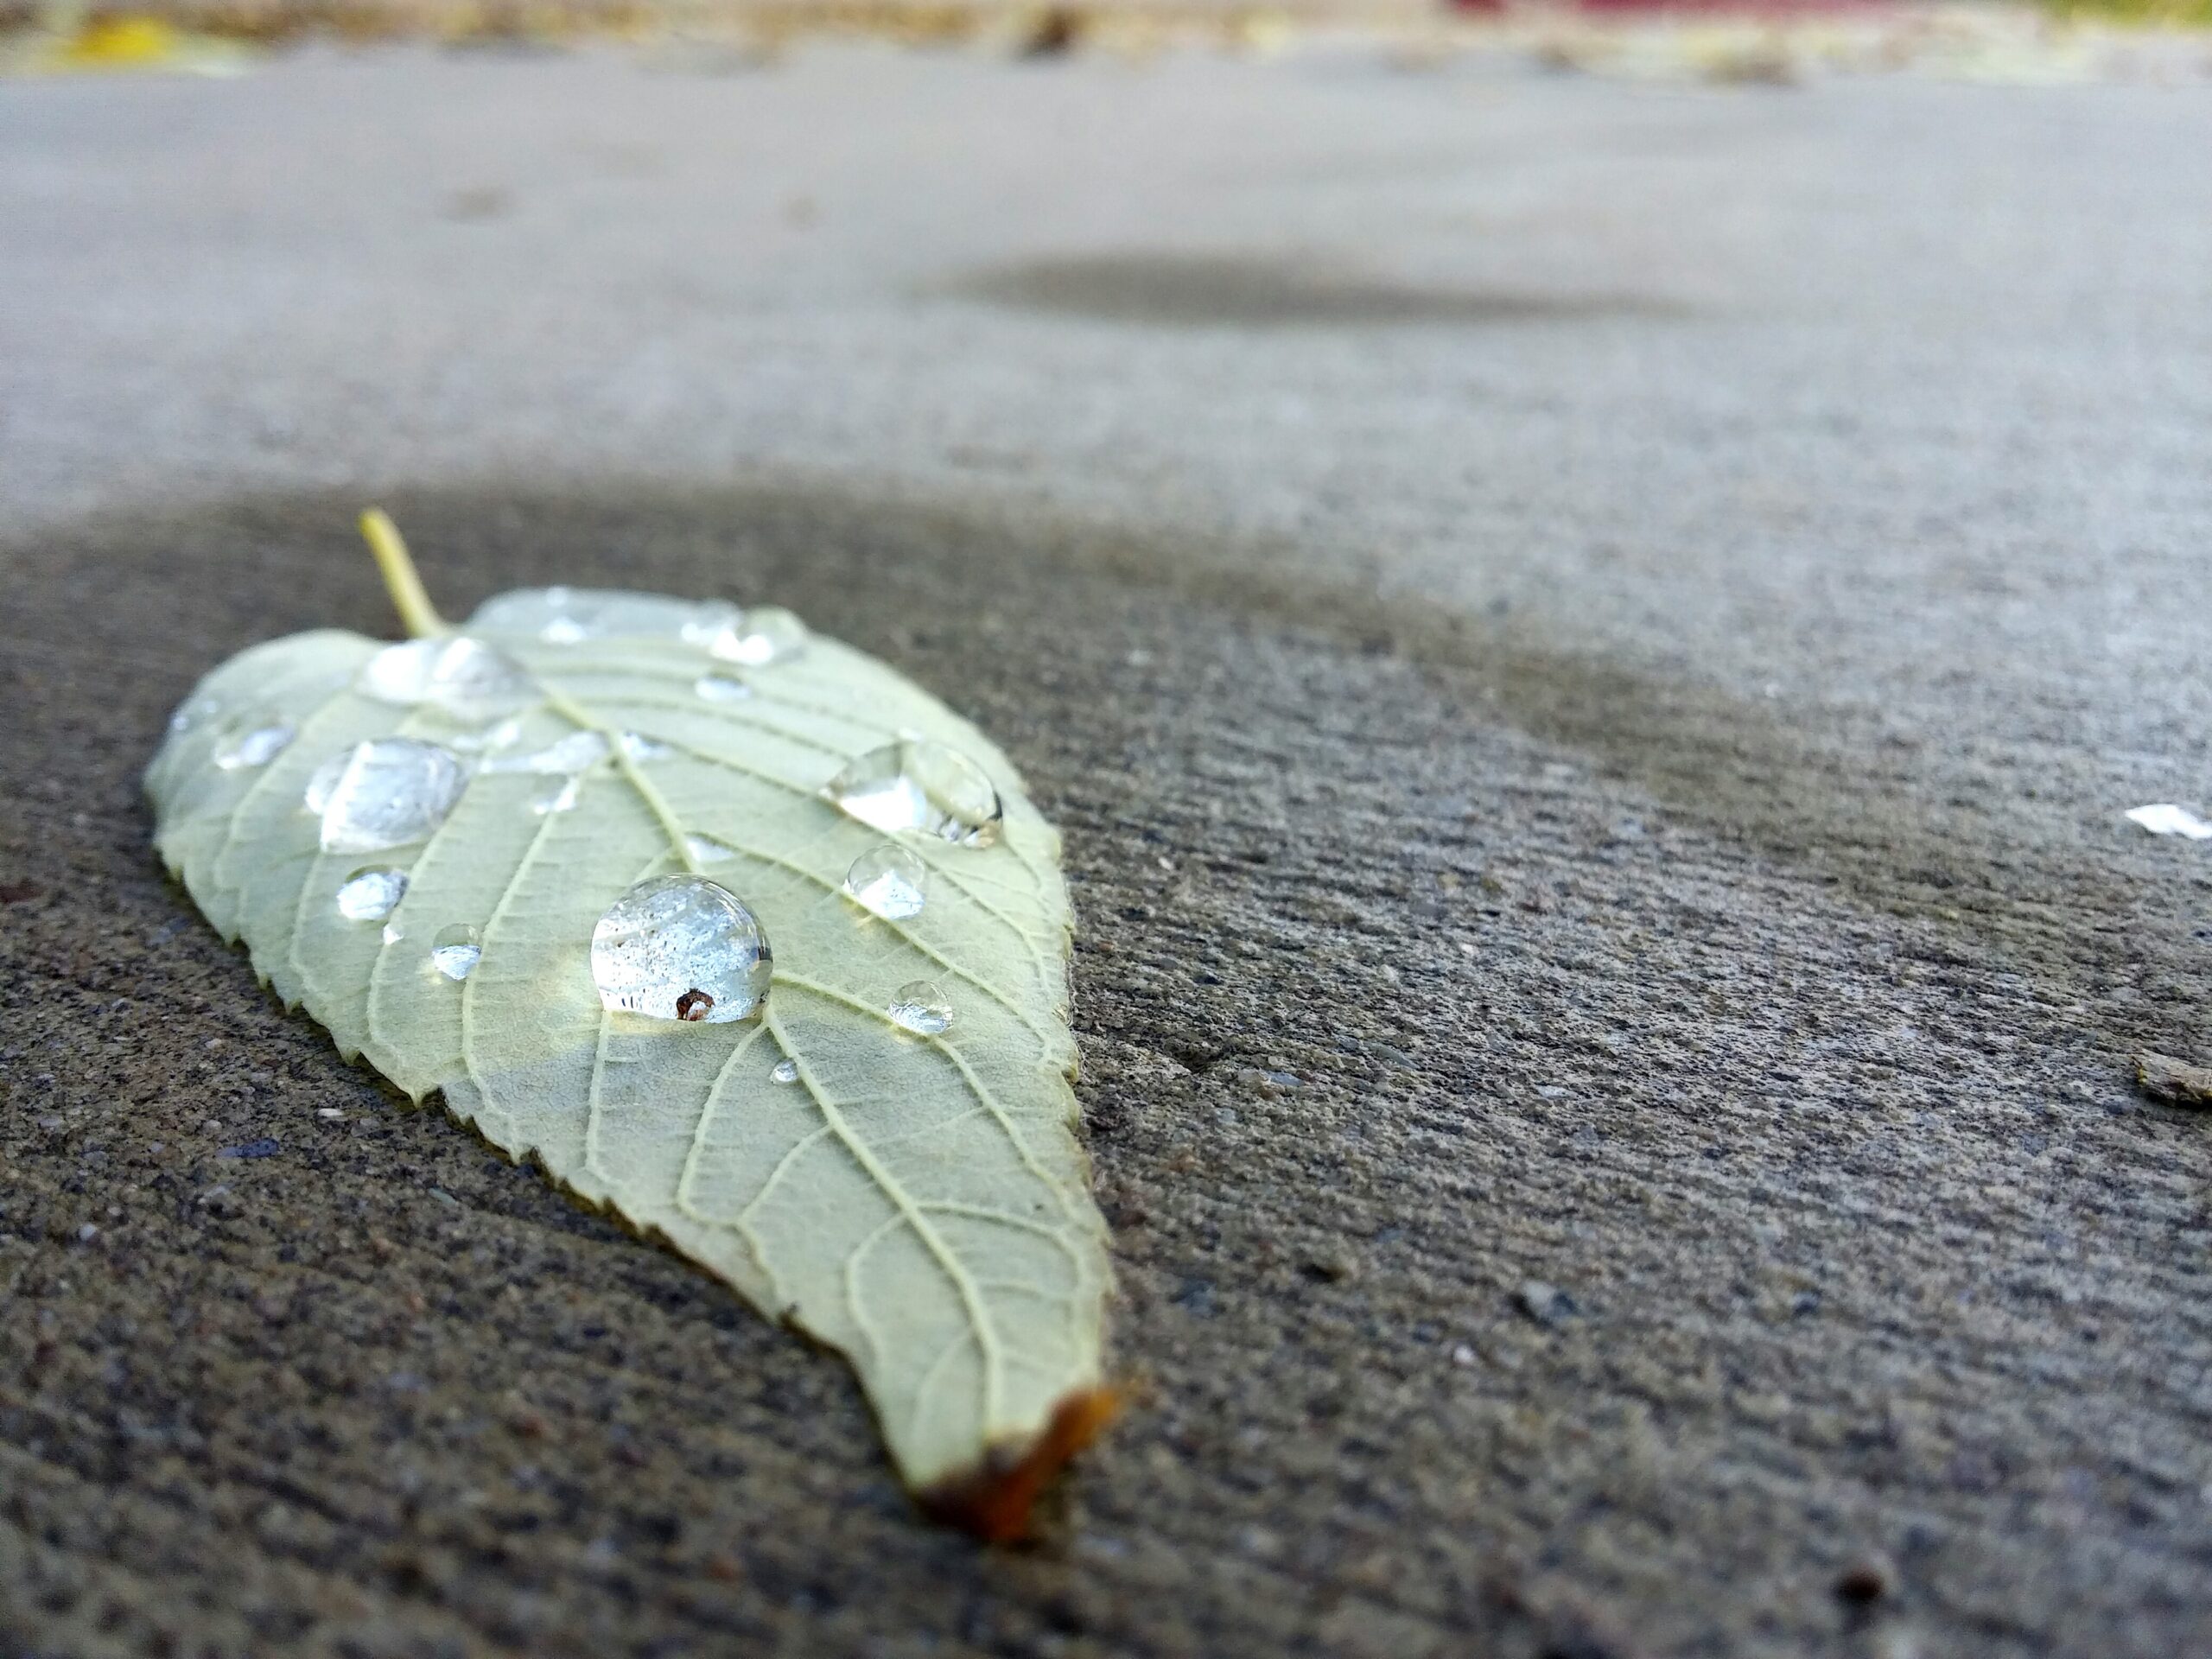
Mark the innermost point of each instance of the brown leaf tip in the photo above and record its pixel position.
(994, 1500)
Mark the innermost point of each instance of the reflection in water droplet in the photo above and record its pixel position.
(371, 895)
(767, 634)
(385, 792)
(915, 784)
(720, 688)
(888, 880)
(253, 740)
(785, 1072)
(640, 749)
(674, 939)
(464, 678)
(705, 849)
(921, 1007)
(454, 951)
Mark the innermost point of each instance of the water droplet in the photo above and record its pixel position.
(917, 785)
(567, 616)
(385, 792)
(393, 932)
(640, 749)
(2165, 818)
(705, 849)
(720, 688)
(562, 799)
(577, 752)
(253, 740)
(454, 951)
(888, 880)
(921, 1007)
(785, 1072)
(371, 894)
(488, 742)
(767, 634)
(193, 711)
(675, 939)
(464, 678)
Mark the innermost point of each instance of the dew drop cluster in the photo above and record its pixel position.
(683, 948)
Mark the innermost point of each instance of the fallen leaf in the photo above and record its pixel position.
(543, 865)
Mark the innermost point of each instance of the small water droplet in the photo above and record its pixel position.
(721, 688)
(253, 740)
(785, 1072)
(393, 932)
(577, 752)
(921, 1007)
(567, 616)
(454, 951)
(916, 784)
(674, 939)
(766, 634)
(889, 881)
(193, 711)
(640, 749)
(705, 849)
(490, 739)
(385, 792)
(2165, 818)
(464, 678)
(371, 894)
(562, 799)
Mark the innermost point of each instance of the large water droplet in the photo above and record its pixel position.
(721, 688)
(767, 634)
(888, 880)
(455, 950)
(464, 678)
(253, 740)
(917, 786)
(921, 1007)
(680, 947)
(385, 792)
(785, 1072)
(371, 895)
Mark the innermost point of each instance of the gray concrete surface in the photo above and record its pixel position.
(1607, 631)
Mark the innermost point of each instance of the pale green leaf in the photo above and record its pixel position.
(918, 1203)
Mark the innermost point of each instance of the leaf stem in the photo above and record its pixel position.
(417, 613)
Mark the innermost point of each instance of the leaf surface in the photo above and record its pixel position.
(916, 1200)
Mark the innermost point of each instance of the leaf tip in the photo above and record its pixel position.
(994, 1500)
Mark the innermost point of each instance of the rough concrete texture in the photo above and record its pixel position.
(1590, 643)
